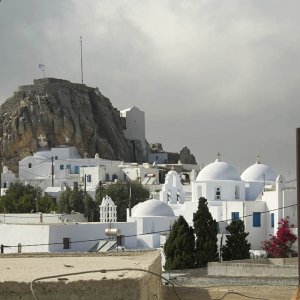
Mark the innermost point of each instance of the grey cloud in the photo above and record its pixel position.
(213, 75)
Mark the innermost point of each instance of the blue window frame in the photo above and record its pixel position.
(76, 169)
(256, 219)
(272, 220)
(235, 216)
(68, 167)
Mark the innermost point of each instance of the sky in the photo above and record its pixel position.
(213, 75)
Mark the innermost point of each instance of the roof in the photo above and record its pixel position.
(218, 170)
(259, 173)
(152, 208)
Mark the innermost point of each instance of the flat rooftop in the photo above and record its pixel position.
(17, 272)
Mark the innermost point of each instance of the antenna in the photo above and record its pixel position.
(81, 60)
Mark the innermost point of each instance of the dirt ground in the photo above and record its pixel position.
(227, 293)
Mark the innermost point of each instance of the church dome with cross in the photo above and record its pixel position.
(218, 170)
(259, 173)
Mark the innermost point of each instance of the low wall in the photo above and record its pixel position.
(268, 269)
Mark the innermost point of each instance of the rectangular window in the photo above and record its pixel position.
(89, 178)
(237, 192)
(61, 167)
(75, 185)
(56, 157)
(235, 216)
(218, 193)
(68, 167)
(256, 219)
(66, 242)
(272, 220)
(29, 165)
(76, 169)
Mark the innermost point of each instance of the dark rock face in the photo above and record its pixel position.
(186, 157)
(54, 112)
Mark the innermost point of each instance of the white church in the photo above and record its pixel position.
(258, 196)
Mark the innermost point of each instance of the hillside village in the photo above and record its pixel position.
(174, 182)
(259, 196)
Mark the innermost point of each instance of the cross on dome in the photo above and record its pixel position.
(219, 157)
(258, 159)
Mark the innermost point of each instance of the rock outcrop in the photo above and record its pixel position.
(186, 157)
(54, 112)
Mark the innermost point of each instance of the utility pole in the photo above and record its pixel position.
(81, 60)
(298, 199)
(129, 202)
(52, 171)
(0, 173)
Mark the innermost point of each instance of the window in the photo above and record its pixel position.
(106, 177)
(235, 216)
(68, 167)
(76, 169)
(256, 219)
(89, 178)
(4, 185)
(237, 192)
(75, 184)
(56, 157)
(114, 177)
(66, 242)
(272, 220)
(29, 165)
(61, 167)
(218, 193)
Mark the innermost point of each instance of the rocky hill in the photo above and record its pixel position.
(54, 112)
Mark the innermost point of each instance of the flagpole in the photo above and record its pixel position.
(81, 60)
(44, 72)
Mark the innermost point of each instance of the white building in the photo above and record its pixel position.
(258, 197)
(62, 237)
(145, 173)
(135, 125)
(154, 219)
(68, 169)
(108, 210)
(7, 178)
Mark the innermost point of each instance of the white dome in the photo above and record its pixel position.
(259, 172)
(152, 208)
(218, 170)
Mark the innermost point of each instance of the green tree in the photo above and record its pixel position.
(20, 198)
(237, 245)
(71, 200)
(89, 207)
(206, 230)
(46, 204)
(119, 193)
(179, 247)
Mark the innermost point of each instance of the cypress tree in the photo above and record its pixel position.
(237, 245)
(206, 230)
(179, 247)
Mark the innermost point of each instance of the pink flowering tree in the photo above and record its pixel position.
(279, 245)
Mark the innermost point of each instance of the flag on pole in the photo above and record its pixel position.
(42, 67)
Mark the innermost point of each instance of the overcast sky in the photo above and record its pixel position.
(213, 75)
